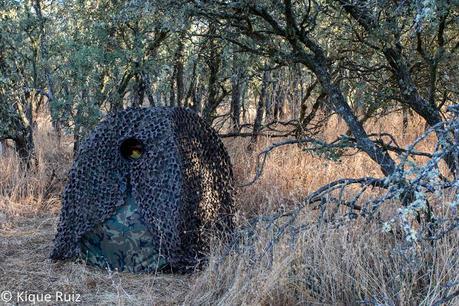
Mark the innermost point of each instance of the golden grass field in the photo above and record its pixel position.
(352, 265)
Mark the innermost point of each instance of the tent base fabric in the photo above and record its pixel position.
(122, 243)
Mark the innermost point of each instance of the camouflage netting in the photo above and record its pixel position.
(182, 184)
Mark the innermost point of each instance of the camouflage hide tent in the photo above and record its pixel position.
(148, 190)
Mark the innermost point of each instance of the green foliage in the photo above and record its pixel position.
(90, 57)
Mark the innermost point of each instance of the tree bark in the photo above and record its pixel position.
(214, 65)
(260, 110)
(405, 121)
(235, 96)
(279, 100)
(138, 94)
(49, 79)
(23, 137)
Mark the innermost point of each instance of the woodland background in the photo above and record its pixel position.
(317, 101)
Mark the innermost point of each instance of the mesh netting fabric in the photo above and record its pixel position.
(183, 183)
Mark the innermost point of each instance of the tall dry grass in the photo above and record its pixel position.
(321, 265)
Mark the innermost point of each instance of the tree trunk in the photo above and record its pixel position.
(364, 143)
(25, 148)
(23, 140)
(260, 110)
(269, 99)
(172, 99)
(245, 89)
(138, 94)
(16, 123)
(147, 86)
(177, 78)
(318, 64)
(77, 130)
(279, 99)
(192, 87)
(2, 147)
(214, 64)
(117, 98)
(236, 96)
(49, 79)
(197, 99)
(405, 121)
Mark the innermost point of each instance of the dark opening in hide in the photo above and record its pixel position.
(131, 148)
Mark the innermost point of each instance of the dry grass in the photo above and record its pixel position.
(325, 266)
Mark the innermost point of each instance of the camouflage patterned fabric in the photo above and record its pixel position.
(122, 242)
(182, 184)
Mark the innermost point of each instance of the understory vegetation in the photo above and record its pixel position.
(332, 260)
(340, 117)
